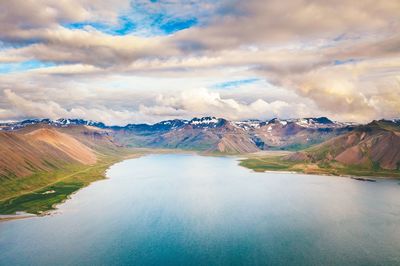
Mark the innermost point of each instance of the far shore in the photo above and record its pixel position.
(5, 218)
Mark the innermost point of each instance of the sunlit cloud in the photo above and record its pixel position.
(235, 59)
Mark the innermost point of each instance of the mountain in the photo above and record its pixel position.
(62, 122)
(44, 147)
(375, 145)
(43, 144)
(41, 149)
(210, 134)
(206, 134)
(218, 134)
(295, 134)
(158, 127)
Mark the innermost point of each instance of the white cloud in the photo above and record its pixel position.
(187, 104)
(202, 102)
(53, 110)
(344, 65)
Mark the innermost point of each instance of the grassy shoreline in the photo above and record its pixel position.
(278, 163)
(51, 189)
(61, 184)
(42, 192)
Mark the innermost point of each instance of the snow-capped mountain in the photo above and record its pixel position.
(160, 126)
(211, 133)
(62, 122)
(207, 122)
(371, 146)
(250, 135)
(319, 122)
(203, 122)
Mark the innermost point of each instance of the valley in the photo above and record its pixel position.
(44, 161)
(186, 209)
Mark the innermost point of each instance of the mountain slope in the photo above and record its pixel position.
(206, 134)
(65, 144)
(296, 134)
(98, 139)
(376, 145)
(209, 134)
(42, 164)
(40, 149)
(218, 134)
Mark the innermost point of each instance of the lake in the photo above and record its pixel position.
(195, 210)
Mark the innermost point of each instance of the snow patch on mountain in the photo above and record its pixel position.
(204, 120)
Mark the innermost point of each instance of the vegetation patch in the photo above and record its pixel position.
(279, 163)
(269, 163)
(41, 192)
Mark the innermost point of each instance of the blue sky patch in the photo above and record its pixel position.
(175, 25)
(149, 18)
(343, 62)
(23, 66)
(81, 25)
(125, 26)
(235, 83)
(155, 24)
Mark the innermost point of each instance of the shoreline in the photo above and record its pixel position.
(273, 163)
(79, 180)
(133, 154)
(355, 177)
(137, 153)
(11, 217)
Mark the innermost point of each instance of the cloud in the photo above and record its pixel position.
(34, 109)
(188, 104)
(202, 102)
(78, 69)
(234, 25)
(257, 22)
(344, 65)
(88, 46)
(356, 91)
(53, 110)
(40, 14)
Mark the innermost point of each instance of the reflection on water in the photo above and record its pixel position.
(194, 210)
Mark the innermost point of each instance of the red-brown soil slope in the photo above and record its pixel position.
(372, 145)
(40, 149)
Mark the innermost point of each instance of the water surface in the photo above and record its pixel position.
(194, 210)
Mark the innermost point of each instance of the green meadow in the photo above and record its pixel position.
(41, 192)
(278, 163)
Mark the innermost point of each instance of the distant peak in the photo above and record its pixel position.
(322, 120)
(273, 120)
(278, 121)
(207, 121)
(204, 118)
(172, 122)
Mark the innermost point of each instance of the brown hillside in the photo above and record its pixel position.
(97, 139)
(64, 143)
(224, 138)
(41, 149)
(376, 144)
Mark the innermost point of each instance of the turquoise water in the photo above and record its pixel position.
(194, 210)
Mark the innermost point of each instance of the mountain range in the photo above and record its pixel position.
(43, 144)
(210, 133)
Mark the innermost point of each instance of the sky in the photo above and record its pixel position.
(140, 61)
